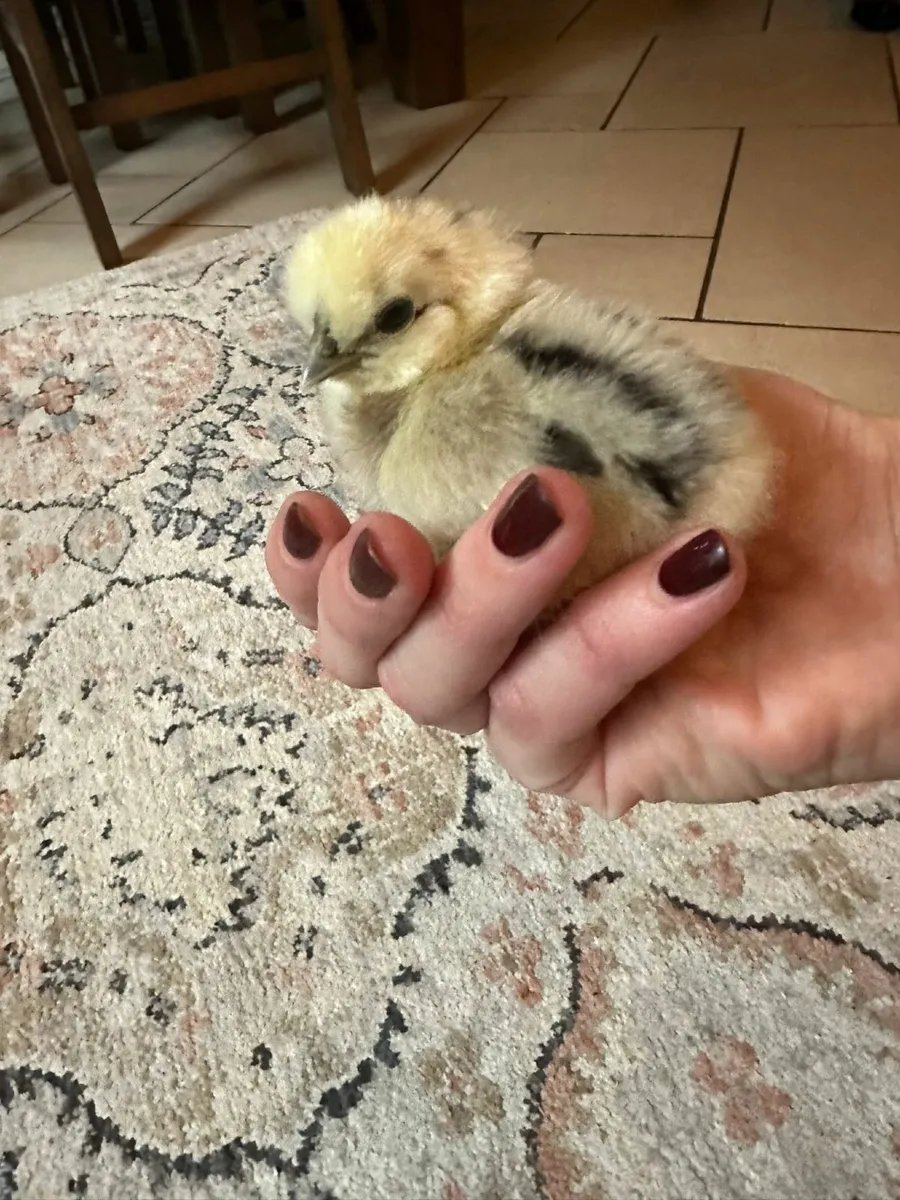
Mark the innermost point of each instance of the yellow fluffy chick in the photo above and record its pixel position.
(445, 367)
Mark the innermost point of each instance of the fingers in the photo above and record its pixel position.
(370, 590)
(304, 533)
(547, 707)
(486, 593)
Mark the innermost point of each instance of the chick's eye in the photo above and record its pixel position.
(396, 315)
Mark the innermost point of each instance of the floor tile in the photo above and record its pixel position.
(514, 65)
(536, 17)
(689, 17)
(24, 193)
(126, 198)
(811, 234)
(296, 167)
(766, 79)
(862, 369)
(650, 183)
(17, 148)
(37, 256)
(662, 275)
(811, 14)
(15, 157)
(185, 147)
(549, 114)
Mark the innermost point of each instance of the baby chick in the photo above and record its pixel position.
(445, 367)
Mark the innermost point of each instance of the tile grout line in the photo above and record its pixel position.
(892, 333)
(663, 237)
(720, 225)
(478, 128)
(573, 21)
(631, 78)
(181, 188)
(768, 17)
(37, 212)
(892, 71)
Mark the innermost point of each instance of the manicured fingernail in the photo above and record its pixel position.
(526, 520)
(697, 565)
(369, 576)
(300, 539)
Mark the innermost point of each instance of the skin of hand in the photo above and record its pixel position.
(771, 671)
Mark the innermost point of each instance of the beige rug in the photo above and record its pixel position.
(262, 937)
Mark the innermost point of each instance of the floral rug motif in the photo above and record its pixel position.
(261, 936)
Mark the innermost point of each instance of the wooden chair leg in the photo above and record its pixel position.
(244, 41)
(84, 72)
(358, 20)
(132, 27)
(40, 130)
(212, 49)
(340, 97)
(107, 67)
(176, 47)
(23, 30)
(426, 51)
(56, 45)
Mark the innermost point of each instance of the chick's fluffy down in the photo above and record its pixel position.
(493, 371)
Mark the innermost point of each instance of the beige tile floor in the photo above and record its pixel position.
(732, 165)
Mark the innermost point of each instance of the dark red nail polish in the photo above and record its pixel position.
(697, 565)
(299, 537)
(367, 574)
(526, 520)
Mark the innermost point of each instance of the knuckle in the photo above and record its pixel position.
(509, 762)
(346, 666)
(406, 694)
(463, 625)
(358, 678)
(516, 707)
(596, 646)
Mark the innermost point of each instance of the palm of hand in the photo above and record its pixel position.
(798, 686)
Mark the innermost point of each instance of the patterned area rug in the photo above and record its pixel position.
(263, 937)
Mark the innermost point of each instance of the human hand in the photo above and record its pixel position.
(781, 672)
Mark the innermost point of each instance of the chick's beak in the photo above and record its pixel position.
(325, 361)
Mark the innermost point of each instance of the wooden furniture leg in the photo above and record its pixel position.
(107, 67)
(56, 45)
(212, 49)
(84, 71)
(340, 96)
(426, 51)
(175, 45)
(132, 26)
(40, 130)
(22, 30)
(244, 41)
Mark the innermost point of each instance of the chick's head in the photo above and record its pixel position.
(389, 290)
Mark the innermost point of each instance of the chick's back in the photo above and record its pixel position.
(656, 434)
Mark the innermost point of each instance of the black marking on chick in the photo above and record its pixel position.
(568, 450)
(639, 391)
(559, 359)
(659, 477)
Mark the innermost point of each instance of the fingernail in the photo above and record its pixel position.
(300, 539)
(697, 565)
(370, 578)
(526, 520)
